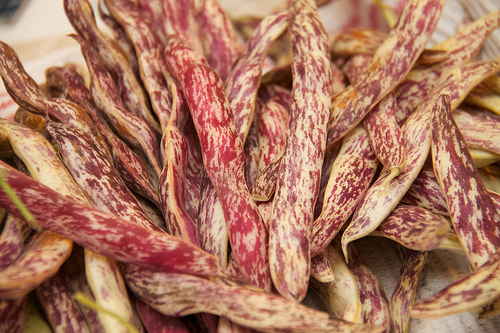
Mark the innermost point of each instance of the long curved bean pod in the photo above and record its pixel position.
(357, 41)
(385, 135)
(220, 40)
(60, 308)
(297, 189)
(172, 186)
(182, 20)
(180, 294)
(148, 50)
(374, 303)
(132, 169)
(273, 124)
(243, 81)
(415, 228)
(382, 198)
(473, 291)
(479, 132)
(412, 271)
(390, 64)
(154, 14)
(341, 296)
(96, 175)
(321, 269)
(104, 233)
(27, 94)
(351, 174)
(425, 192)
(133, 129)
(223, 158)
(472, 211)
(81, 17)
(43, 257)
(14, 233)
(12, 317)
(461, 48)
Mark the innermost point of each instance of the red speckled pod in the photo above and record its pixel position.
(461, 48)
(148, 47)
(321, 269)
(12, 317)
(223, 158)
(374, 303)
(132, 169)
(181, 20)
(472, 212)
(358, 41)
(81, 17)
(14, 233)
(180, 295)
(156, 322)
(96, 175)
(104, 233)
(243, 81)
(59, 306)
(341, 296)
(133, 129)
(390, 64)
(297, 189)
(351, 174)
(27, 94)
(385, 134)
(471, 292)
(382, 198)
(273, 125)
(220, 40)
(42, 258)
(415, 228)
(172, 186)
(479, 133)
(425, 192)
(412, 271)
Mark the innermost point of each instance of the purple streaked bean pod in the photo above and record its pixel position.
(461, 48)
(321, 269)
(12, 315)
(357, 41)
(104, 233)
(472, 211)
(14, 233)
(243, 81)
(413, 270)
(96, 175)
(382, 198)
(479, 133)
(351, 174)
(425, 192)
(223, 157)
(132, 169)
(341, 296)
(183, 20)
(298, 183)
(133, 129)
(59, 306)
(42, 258)
(374, 303)
(171, 186)
(181, 294)
(478, 288)
(390, 64)
(415, 228)
(148, 47)
(81, 16)
(156, 322)
(220, 40)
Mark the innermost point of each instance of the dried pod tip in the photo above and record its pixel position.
(86, 301)
(395, 171)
